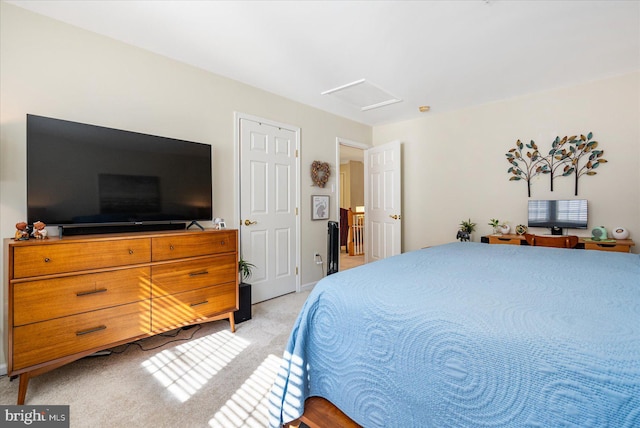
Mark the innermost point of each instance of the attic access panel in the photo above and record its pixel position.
(362, 94)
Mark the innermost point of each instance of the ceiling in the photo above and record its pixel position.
(445, 54)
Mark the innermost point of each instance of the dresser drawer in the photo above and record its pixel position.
(37, 260)
(40, 300)
(197, 305)
(197, 273)
(504, 240)
(193, 245)
(45, 341)
(603, 246)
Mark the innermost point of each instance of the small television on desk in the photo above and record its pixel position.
(558, 214)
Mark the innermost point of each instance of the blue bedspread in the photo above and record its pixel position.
(471, 335)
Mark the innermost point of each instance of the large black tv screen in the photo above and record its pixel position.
(80, 174)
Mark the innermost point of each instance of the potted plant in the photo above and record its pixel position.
(245, 269)
(467, 227)
(495, 223)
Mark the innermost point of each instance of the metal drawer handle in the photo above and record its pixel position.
(91, 330)
(198, 304)
(47, 259)
(203, 272)
(130, 251)
(86, 293)
(171, 247)
(221, 242)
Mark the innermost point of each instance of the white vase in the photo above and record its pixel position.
(620, 233)
(505, 229)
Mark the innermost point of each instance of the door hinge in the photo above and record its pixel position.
(296, 210)
(296, 270)
(296, 152)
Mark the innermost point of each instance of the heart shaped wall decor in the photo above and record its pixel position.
(320, 173)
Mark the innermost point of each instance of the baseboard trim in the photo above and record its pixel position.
(308, 286)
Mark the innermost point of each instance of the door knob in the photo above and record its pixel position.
(249, 223)
(396, 217)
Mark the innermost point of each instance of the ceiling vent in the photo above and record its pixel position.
(363, 95)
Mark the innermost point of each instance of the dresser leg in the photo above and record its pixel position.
(232, 322)
(22, 387)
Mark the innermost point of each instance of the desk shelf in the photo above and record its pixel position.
(620, 245)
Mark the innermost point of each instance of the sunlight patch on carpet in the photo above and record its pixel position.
(185, 369)
(248, 405)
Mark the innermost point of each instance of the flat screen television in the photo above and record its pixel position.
(87, 175)
(558, 214)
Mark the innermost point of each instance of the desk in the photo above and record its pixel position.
(621, 245)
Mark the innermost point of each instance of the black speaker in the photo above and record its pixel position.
(244, 313)
(333, 247)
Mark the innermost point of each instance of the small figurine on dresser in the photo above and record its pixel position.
(22, 231)
(39, 231)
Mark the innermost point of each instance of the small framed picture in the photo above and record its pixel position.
(319, 207)
(222, 225)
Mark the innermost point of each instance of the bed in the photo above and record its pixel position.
(470, 334)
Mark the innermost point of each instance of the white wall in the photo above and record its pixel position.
(454, 163)
(455, 166)
(53, 69)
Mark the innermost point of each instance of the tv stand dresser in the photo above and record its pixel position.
(67, 298)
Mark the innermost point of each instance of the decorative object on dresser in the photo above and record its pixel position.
(599, 233)
(495, 224)
(521, 229)
(22, 231)
(73, 296)
(620, 233)
(467, 227)
(505, 228)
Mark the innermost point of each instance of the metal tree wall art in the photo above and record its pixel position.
(568, 156)
(558, 156)
(528, 166)
(584, 148)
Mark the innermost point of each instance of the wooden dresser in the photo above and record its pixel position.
(66, 298)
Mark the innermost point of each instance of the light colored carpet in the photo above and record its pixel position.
(348, 262)
(216, 379)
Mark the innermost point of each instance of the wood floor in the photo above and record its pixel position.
(320, 413)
